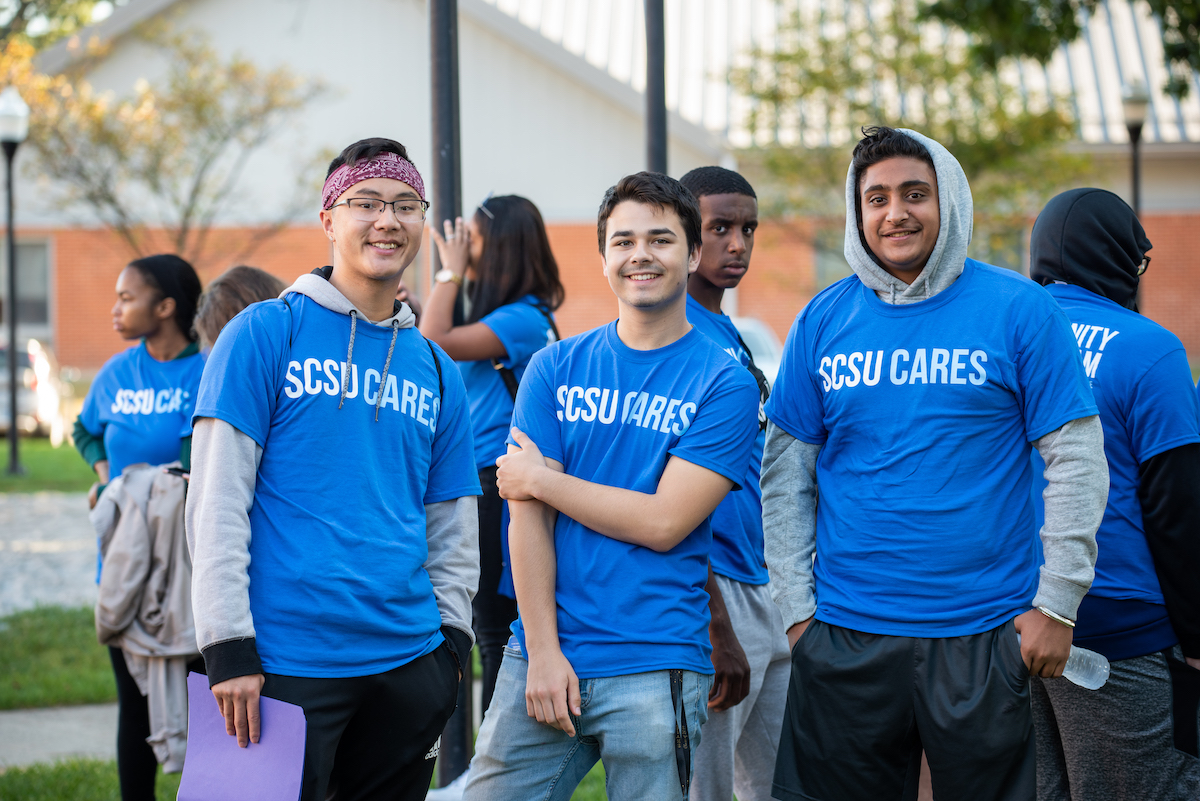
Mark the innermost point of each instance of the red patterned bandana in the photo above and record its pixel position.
(385, 165)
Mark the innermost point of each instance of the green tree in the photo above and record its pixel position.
(830, 75)
(1036, 28)
(41, 22)
(168, 158)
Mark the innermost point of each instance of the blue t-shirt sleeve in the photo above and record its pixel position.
(535, 411)
(796, 404)
(89, 416)
(521, 329)
(241, 379)
(1163, 411)
(722, 434)
(452, 464)
(1052, 386)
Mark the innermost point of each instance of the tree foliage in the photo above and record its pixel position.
(41, 22)
(832, 74)
(1036, 28)
(169, 156)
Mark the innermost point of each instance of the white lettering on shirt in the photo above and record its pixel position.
(959, 366)
(638, 408)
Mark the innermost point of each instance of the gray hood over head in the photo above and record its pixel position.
(954, 234)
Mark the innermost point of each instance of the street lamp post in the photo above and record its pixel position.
(656, 87)
(14, 126)
(1134, 101)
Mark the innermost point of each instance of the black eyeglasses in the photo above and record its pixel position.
(369, 209)
(1145, 264)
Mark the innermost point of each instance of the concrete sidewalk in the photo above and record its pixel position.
(47, 551)
(48, 735)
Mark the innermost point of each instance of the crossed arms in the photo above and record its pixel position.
(538, 490)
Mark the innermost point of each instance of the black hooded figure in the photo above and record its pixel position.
(1119, 741)
(1092, 239)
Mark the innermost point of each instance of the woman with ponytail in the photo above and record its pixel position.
(139, 410)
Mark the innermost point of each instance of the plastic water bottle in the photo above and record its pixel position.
(1085, 668)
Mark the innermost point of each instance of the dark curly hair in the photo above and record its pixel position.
(880, 143)
(652, 189)
(716, 181)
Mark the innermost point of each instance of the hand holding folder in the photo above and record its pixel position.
(269, 770)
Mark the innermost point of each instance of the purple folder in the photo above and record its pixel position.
(268, 770)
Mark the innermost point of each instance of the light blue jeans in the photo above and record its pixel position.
(627, 721)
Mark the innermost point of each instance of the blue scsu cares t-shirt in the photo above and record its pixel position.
(1142, 384)
(142, 407)
(338, 586)
(613, 415)
(925, 414)
(737, 550)
(523, 330)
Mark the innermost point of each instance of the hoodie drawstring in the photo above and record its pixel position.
(386, 364)
(350, 361)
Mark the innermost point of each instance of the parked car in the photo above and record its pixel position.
(763, 345)
(39, 391)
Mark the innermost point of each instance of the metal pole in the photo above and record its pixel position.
(458, 738)
(1135, 140)
(656, 87)
(14, 462)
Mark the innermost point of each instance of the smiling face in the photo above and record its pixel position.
(140, 310)
(900, 214)
(378, 250)
(646, 259)
(728, 223)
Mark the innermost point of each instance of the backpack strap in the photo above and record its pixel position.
(764, 386)
(506, 374)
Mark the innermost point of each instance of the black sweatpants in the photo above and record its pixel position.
(861, 707)
(372, 738)
(493, 612)
(137, 767)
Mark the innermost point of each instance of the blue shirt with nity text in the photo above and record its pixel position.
(338, 585)
(925, 413)
(615, 416)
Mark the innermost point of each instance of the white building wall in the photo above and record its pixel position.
(528, 126)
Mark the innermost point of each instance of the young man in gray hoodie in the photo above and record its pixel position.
(331, 515)
(911, 395)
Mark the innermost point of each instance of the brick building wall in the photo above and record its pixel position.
(781, 279)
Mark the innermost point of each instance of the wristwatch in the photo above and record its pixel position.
(444, 276)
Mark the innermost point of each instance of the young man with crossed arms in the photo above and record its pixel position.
(625, 440)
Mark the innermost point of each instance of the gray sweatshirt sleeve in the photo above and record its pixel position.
(1077, 472)
(217, 516)
(452, 533)
(789, 498)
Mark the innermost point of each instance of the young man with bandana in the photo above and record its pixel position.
(750, 653)
(331, 514)
(910, 397)
(625, 439)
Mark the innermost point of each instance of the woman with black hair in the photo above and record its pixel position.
(491, 309)
(139, 410)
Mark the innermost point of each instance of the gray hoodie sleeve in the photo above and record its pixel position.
(217, 515)
(789, 498)
(1077, 492)
(452, 532)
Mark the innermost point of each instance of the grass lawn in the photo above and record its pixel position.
(49, 657)
(46, 467)
(75, 780)
(94, 780)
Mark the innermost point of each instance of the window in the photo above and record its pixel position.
(33, 289)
